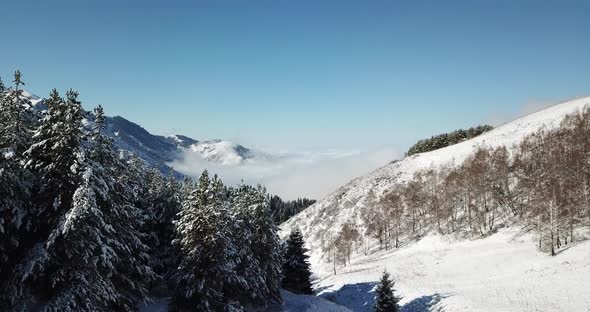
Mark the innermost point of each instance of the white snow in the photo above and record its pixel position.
(292, 303)
(503, 272)
(323, 219)
(175, 138)
(498, 273)
(222, 152)
(304, 303)
(8, 154)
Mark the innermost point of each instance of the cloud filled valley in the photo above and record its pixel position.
(311, 174)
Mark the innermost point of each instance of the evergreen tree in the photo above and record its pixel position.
(96, 260)
(206, 263)
(54, 158)
(82, 229)
(297, 274)
(161, 204)
(15, 184)
(15, 119)
(259, 256)
(386, 300)
(132, 273)
(266, 246)
(283, 210)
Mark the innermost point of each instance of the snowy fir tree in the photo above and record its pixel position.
(95, 258)
(161, 199)
(15, 181)
(259, 254)
(265, 246)
(54, 159)
(84, 227)
(297, 274)
(386, 301)
(206, 250)
(15, 117)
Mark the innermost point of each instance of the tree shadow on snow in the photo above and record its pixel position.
(425, 304)
(358, 297)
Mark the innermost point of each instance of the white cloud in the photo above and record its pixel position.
(303, 174)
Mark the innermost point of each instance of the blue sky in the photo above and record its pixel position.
(303, 74)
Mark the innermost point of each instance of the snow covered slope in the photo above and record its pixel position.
(464, 276)
(322, 220)
(503, 273)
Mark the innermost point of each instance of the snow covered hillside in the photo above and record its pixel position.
(322, 220)
(503, 272)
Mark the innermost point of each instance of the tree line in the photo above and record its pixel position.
(447, 139)
(542, 184)
(283, 210)
(84, 227)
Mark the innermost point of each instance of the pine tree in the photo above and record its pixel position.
(132, 272)
(15, 118)
(54, 158)
(386, 300)
(96, 260)
(266, 245)
(206, 263)
(259, 256)
(297, 274)
(15, 184)
(161, 204)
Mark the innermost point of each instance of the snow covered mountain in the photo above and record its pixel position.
(324, 218)
(223, 152)
(159, 150)
(434, 261)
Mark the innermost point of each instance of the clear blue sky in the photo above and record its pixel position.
(302, 74)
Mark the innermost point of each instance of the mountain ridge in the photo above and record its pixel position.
(158, 150)
(320, 222)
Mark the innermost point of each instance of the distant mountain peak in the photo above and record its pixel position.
(223, 152)
(159, 150)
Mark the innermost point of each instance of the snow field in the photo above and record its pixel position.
(503, 272)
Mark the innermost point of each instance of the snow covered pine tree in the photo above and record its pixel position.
(386, 300)
(296, 270)
(259, 253)
(206, 262)
(83, 227)
(87, 254)
(15, 182)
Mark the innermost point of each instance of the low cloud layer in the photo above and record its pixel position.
(309, 174)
